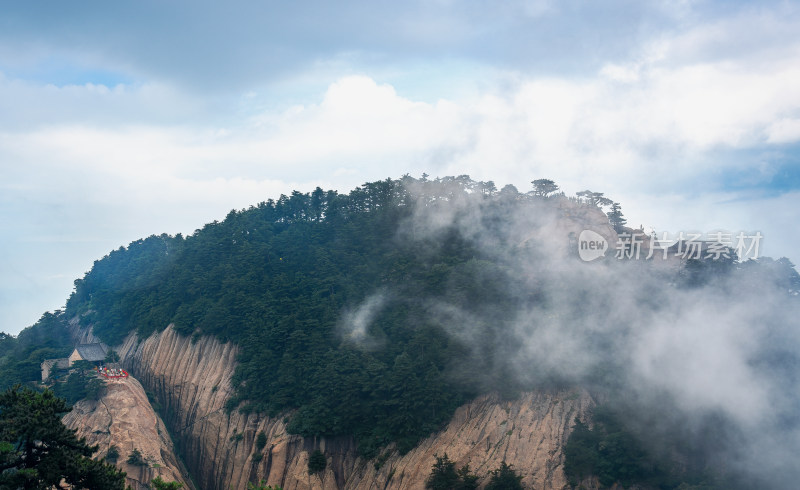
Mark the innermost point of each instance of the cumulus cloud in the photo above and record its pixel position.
(657, 121)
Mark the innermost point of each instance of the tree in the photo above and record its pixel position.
(616, 218)
(38, 451)
(112, 357)
(261, 441)
(135, 458)
(80, 384)
(468, 481)
(595, 198)
(543, 187)
(504, 478)
(316, 462)
(113, 454)
(159, 484)
(580, 453)
(445, 477)
(443, 474)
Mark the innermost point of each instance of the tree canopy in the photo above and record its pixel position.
(37, 451)
(504, 478)
(544, 187)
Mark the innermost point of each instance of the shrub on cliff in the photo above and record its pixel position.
(135, 458)
(504, 478)
(113, 454)
(261, 441)
(159, 484)
(445, 477)
(316, 462)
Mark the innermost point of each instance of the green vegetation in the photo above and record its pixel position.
(81, 383)
(111, 357)
(614, 453)
(261, 441)
(445, 477)
(544, 187)
(38, 451)
(504, 478)
(316, 462)
(375, 313)
(285, 279)
(135, 458)
(616, 218)
(113, 454)
(262, 486)
(21, 357)
(159, 484)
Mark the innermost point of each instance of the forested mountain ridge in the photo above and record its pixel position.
(375, 314)
(337, 296)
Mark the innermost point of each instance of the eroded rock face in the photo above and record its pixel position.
(528, 433)
(192, 381)
(124, 417)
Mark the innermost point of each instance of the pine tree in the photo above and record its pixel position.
(504, 478)
(443, 475)
(38, 451)
(616, 218)
(316, 462)
(543, 187)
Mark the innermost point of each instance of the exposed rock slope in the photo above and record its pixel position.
(192, 382)
(124, 417)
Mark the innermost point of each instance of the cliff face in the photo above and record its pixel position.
(124, 417)
(528, 433)
(192, 382)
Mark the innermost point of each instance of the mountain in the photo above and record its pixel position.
(414, 317)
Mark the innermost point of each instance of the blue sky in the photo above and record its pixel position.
(119, 120)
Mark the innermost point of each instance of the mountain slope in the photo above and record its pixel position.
(191, 381)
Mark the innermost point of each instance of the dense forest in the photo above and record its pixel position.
(330, 295)
(377, 313)
(21, 356)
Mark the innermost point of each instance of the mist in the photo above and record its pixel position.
(677, 356)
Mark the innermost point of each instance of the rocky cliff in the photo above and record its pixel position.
(123, 417)
(191, 378)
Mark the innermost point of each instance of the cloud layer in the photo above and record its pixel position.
(112, 130)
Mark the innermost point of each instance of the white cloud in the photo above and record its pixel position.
(166, 159)
(785, 130)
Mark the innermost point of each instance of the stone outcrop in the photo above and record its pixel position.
(123, 417)
(191, 378)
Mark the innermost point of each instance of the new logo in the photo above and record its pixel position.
(591, 245)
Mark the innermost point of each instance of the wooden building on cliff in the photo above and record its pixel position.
(94, 353)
